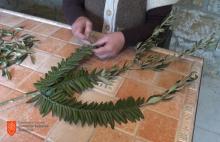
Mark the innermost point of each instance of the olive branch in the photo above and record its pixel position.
(14, 49)
(158, 62)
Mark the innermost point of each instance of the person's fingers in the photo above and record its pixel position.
(100, 51)
(88, 28)
(79, 33)
(105, 56)
(86, 42)
(101, 42)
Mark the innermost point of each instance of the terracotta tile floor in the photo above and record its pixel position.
(165, 122)
(29, 24)
(46, 29)
(63, 34)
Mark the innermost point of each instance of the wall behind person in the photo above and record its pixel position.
(50, 9)
(195, 20)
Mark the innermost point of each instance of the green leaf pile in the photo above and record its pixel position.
(14, 48)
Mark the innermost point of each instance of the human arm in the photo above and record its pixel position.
(75, 14)
(111, 44)
(140, 33)
(73, 9)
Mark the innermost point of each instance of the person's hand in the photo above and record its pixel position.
(109, 45)
(81, 28)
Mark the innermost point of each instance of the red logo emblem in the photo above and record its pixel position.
(11, 127)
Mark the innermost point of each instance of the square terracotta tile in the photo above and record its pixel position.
(135, 89)
(157, 128)
(66, 50)
(110, 135)
(166, 79)
(22, 136)
(171, 107)
(141, 75)
(51, 61)
(29, 24)
(46, 29)
(28, 84)
(40, 58)
(11, 95)
(50, 45)
(182, 66)
(7, 93)
(44, 124)
(128, 53)
(63, 34)
(64, 132)
(16, 112)
(18, 74)
(138, 140)
(4, 91)
(11, 20)
(118, 60)
(28, 118)
(94, 62)
(39, 37)
(128, 128)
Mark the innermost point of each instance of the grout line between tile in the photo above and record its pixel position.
(17, 87)
(35, 27)
(74, 43)
(31, 132)
(13, 89)
(142, 139)
(125, 132)
(161, 113)
(153, 84)
(51, 129)
(177, 72)
(91, 136)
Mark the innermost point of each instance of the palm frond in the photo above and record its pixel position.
(71, 110)
(57, 74)
(103, 114)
